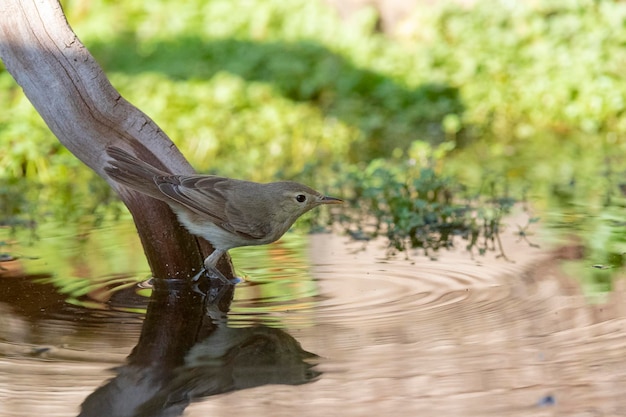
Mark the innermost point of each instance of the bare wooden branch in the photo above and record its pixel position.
(76, 100)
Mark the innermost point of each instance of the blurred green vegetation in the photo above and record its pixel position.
(89, 265)
(415, 206)
(526, 97)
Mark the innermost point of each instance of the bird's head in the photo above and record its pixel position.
(295, 199)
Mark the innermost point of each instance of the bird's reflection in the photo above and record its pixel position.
(187, 352)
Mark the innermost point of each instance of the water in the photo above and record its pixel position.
(321, 326)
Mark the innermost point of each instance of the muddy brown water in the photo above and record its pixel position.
(460, 336)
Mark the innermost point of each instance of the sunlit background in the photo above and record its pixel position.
(524, 100)
(486, 109)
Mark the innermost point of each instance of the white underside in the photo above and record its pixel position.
(221, 240)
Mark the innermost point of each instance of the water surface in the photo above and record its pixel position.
(321, 326)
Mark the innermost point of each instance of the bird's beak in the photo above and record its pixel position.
(330, 200)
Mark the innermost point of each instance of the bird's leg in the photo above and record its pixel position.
(211, 261)
(210, 268)
(210, 264)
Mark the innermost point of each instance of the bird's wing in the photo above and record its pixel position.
(206, 196)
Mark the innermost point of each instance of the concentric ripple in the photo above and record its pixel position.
(346, 286)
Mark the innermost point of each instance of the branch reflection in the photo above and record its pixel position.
(186, 352)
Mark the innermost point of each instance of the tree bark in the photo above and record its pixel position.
(78, 103)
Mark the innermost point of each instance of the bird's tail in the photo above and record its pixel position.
(132, 172)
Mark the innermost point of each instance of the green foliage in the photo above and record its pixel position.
(415, 206)
(239, 129)
(237, 87)
(536, 67)
(529, 93)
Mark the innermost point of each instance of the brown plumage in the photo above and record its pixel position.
(226, 212)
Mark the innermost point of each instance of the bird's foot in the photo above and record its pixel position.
(213, 273)
(148, 283)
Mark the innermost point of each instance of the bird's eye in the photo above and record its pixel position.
(300, 198)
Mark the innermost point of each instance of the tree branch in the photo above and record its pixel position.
(78, 103)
